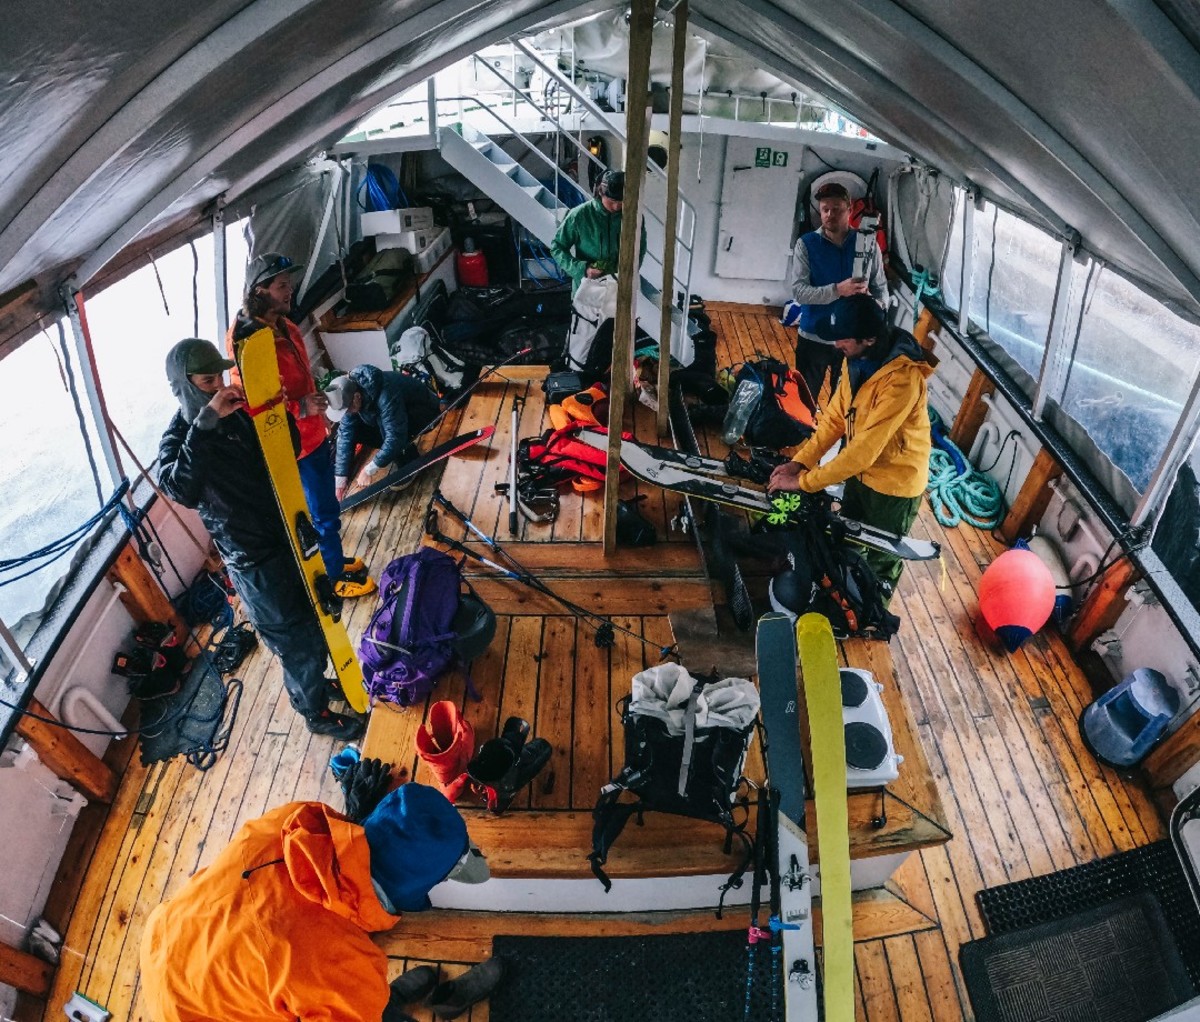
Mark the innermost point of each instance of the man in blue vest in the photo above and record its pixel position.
(823, 272)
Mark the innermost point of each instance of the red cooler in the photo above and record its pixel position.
(471, 265)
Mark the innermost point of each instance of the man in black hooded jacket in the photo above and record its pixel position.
(209, 459)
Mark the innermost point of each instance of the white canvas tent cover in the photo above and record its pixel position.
(121, 121)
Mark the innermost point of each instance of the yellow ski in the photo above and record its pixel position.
(264, 394)
(823, 699)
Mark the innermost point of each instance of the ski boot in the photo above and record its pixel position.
(504, 765)
(341, 726)
(350, 585)
(451, 999)
(445, 743)
(150, 675)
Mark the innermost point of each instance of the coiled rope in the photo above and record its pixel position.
(958, 492)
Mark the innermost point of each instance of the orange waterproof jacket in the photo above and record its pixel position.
(276, 928)
(885, 423)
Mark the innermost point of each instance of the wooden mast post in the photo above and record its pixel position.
(637, 132)
(671, 227)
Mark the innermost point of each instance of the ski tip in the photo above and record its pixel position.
(814, 626)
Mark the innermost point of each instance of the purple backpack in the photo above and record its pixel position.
(409, 641)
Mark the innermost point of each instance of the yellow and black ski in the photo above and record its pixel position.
(259, 368)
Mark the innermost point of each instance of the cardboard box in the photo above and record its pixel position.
(396, 221)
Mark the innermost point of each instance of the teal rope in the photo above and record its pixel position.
(970, 496)
(925, 285)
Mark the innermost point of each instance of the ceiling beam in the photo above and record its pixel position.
(803, 37)
(802, 79)
(1054, 144)
(114, 136)
(303, 146)
(395, 39)
(311, 90)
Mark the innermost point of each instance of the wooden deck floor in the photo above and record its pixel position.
(1021, 794)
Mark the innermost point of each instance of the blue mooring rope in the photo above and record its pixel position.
(958, 492)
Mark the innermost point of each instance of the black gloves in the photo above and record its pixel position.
(364, 784)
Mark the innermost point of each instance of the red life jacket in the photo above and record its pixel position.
(560, 449)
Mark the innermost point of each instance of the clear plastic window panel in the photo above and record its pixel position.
(45, 474)
(951, 271)
(1129, 373)
(134, 325)
(1014, 272)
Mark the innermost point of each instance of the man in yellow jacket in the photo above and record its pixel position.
(277, 928)
(881, 409)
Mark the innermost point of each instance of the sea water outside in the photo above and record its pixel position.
(48, 484)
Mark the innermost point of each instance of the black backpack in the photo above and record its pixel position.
(697, 774)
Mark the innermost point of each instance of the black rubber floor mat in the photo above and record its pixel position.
(1154, 868)
(194, 722)
(1114, 963)
(694, 977)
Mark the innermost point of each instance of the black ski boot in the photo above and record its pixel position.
(449, 1000)
(341, 726)
(504, 765)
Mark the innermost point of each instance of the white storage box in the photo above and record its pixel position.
(396, 221)
(427, 258)
(413, 241)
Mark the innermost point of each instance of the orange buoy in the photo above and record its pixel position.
(1016, 596)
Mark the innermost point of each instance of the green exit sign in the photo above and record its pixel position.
(762, 156)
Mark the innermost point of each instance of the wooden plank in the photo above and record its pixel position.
(143, 596)
(593, 724)
(972, 412)
(66, 756)
(947, 1000)
(1104, 603)
(598, 595)
(637, 137)
(926, 322)
(875, 981)
(555, 703)
(1033, 498)
(1175, 755)
(904, 969)
(24, 972)
(520, 696)
(562, 559)
(879, 912)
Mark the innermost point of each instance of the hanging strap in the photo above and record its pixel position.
(689, 738)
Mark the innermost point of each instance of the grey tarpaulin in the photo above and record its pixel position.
(122, 118)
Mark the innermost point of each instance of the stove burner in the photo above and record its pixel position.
(866, 748)
(854, 689)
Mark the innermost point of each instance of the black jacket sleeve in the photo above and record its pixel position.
(392, 412)
(182, 464)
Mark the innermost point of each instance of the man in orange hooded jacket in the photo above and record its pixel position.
(277, 927)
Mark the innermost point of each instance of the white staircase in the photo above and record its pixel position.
(537, 208)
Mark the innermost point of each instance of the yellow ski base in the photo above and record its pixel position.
(823, 698)
(260, 378)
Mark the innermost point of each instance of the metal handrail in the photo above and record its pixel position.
(594, 109)
(684, 242)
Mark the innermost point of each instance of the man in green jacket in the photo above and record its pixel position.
(588, 241)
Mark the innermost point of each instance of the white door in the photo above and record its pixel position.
(758, 205)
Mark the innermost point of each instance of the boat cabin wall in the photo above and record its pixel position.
(704, 169)
(1144, 635)
(79, 688)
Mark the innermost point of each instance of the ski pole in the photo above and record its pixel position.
(518, 405)
(755, 933)
(518, 572)
(467, 393)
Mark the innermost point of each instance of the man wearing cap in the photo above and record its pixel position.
(881, 409)
(267, 302)
(209, 459)
(277, 927)
(588, 242)
(823, 272)
(382, 409)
